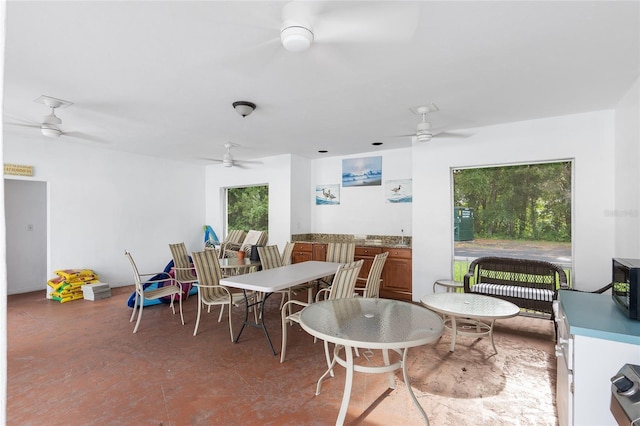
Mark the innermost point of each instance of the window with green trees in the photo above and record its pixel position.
(519, 211)
(248, 208)
(523, 202)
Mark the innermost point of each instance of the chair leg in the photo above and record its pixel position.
(283, 350)
(256, 297)
(185, 293)
(135, 307)
(284, 296)
(230, 326)
(195, 330)
(135, 329)
(180, 306)
(221, 312)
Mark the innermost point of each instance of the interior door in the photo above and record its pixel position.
(26, 219)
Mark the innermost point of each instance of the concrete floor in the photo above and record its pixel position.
(79, 363)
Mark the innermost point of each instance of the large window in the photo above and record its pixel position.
(516, 211)
(248, 208)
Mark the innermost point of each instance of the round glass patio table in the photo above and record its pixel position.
(469, 314)
(371, 323)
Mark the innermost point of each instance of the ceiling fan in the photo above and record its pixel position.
(424, 132)
(322, 26)
(50, 125)
(306, 22)
(228, 161)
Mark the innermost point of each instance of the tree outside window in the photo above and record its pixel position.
(521, 211)
(248, 208)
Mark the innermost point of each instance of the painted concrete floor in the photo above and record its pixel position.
(79, 363)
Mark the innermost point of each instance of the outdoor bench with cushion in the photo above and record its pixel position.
(531, 284)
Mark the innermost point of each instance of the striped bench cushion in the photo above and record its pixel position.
(513, 291)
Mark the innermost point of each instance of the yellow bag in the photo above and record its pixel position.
(70, 274)
(56, 283)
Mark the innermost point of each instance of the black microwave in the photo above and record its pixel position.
(626, 286)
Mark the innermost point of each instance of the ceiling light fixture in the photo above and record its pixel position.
(50, 130)
(244, 108)
(296, 38)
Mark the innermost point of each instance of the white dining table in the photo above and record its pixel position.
(371, 323)
(269, 281)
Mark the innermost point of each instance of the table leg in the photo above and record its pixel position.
(385, 357)
(408, 385)
(348, 381)
(336, 349)
(454, 329)
(261, 302)
(491, 335)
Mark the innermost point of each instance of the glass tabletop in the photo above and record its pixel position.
(371, 323)
(470, 305)
(233, 262)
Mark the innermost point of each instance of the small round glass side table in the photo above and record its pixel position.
(451, 286)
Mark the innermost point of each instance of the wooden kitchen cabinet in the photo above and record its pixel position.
(319, 252)
(303, 252)
(367, 254)
(396, 275)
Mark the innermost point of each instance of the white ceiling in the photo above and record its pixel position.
(159, 78)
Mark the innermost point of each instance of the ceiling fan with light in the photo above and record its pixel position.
(228, 161)
(424, 132)
(51, 123)
(320, 27)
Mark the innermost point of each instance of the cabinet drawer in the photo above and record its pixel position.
(368, 251)
(401, 253)
(303, 247)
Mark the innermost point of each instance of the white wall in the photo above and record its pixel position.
(301, 197)
(101, 202)
(275, 172)
(362, 210)
(627, 175)
(588, 139)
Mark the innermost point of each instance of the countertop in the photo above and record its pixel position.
(361, 244)
(596, 315)
(361, 240)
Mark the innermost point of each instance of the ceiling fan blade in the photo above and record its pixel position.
(451, 135)
(84, 136)
(247, 162)
(367, 22)
(33, 126)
